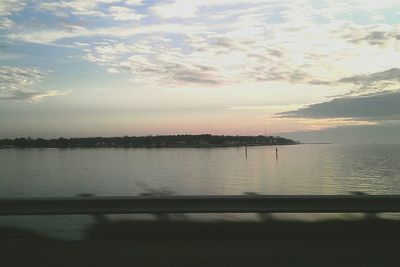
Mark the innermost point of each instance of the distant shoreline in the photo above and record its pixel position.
(193, 146)
(160, 141)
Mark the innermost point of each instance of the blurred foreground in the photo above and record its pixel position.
(369, 241)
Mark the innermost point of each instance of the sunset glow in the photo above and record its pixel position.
(111, 67)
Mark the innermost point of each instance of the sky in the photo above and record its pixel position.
(311, 70)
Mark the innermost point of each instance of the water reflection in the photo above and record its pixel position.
(302, 169)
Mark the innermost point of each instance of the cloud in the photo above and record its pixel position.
(271, 108)
(151, 62)
(8, 7)
(16, 84)
(93, 8)
(376, 34)
(376, 37)
(300, 50)
(124, 13)
(233, 41)
(375, 81)
(228, 57)
(61, 8)
(194, 76)
(280, 74)
(207, 59)
(377, 107)
(134, 2)
(175, 8)
(194, 8)
(6, 23)
(31, 96)
(353, 134)
(65, 34)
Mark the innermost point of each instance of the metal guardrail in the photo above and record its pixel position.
(202, 204)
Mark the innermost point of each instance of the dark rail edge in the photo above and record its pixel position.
(201, 204)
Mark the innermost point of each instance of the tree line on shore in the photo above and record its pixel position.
(203, 140)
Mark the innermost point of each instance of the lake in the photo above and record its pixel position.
(299, 169)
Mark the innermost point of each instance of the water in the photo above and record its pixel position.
(300, 169)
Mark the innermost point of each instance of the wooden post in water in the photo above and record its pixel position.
(245, 148)
(276, 152)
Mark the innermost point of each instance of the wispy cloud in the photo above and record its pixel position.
(373, 82)
(31, 96)
(77, 7)
(71, 33)
(6, 23)
(152, 62)
(17, 84)
(8, 7)
(380, 34)
(124, 13)
(377, 107)
(231, 42)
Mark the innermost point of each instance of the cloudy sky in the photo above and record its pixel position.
(312, 70)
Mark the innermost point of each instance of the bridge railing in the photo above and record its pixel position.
(201, 204)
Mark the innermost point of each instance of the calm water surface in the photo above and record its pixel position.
(300, 169)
